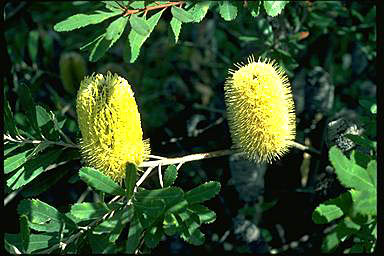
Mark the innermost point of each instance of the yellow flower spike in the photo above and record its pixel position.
(110, 125)
(260, 109)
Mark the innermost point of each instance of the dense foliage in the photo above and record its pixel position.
(176, 56)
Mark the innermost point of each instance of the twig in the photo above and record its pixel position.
(305, 148)
(20, 139)
(188, 158)
(150, 8)
(11, 196)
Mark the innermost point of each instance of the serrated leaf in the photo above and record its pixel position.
(373, 109)
(134, 233)
(86, 211)
(227, 10)
(205, 214)
(135, 40)
(190, 227)
(274, 8)
(100, 181)
(326, 213)
(181, 14)
(170, 175)
(116, 29)
(152, 236)
(9, 121)
(10, 247)
(139, 25)
(349, 174)
(24, 232)
(176, 28)
(32, 168)
(81, 20)
(130, 179)
(203, 192)
(15, 161)
(112, 34)
(199, 10)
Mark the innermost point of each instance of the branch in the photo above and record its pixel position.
(20, 139)
(150, 8)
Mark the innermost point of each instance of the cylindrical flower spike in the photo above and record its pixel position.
(110, 125)
(260, 109)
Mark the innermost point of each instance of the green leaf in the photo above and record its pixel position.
(360, 158)
(176, 28)
(42, 216)
(373, 109)
(366, 203)
(32, 168)
(139, 25)
(170, 224)
(81, 20)
(349, 174)
(199, 10)
(33, 44)
(113, 33)
(45, 181)
(9, 245)
(368, 105)
(227, 10)
(116, 29)
(135, 40)
(28, 106)
(85, 211)
(362, 141)
(372, 172)
(100, 244)
(15, 161)
(330, 242)
(24, 232)
(134, 233)
(152, 236)
(9, 121)
(205, 214)
(181, 14)
(100, 182)
(274, 8)
(171, 196)
(10, 147)
(326, 213)
(36, 242)
(130, 179)
(203, 192)
(170, 175)
(343, 201)
(254, 8)
(190, 228)
(149, 211)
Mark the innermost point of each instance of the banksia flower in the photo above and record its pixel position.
(260, 109)
(110, 125)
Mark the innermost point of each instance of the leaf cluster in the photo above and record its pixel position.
(355, 211)
(147, 214)
(142, 23)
